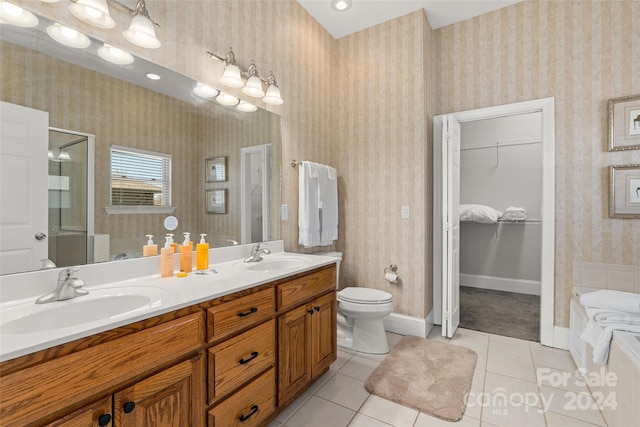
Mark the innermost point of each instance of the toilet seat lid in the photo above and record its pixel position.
(364, 295)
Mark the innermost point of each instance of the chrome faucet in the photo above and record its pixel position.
(256, 253)
(68, 287)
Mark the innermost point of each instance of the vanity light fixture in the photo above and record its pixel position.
(205, 91)
(114, 55)
(226, 99)
(63, 155)
(246, 107)
(233, 76)
(15, 15)
(93, 12)
(141, 32)
(68, 36)
(341, 5)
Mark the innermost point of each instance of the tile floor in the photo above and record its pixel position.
(513, 381)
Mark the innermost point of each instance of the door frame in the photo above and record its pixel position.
(547, 292)
(245, 194)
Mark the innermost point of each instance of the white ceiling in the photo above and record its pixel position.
(367, 13)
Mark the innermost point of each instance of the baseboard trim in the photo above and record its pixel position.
(561, 337)
(408, 325)
(529, 287)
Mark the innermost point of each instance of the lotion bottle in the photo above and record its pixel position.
(166, 259)
(202, 254)
(186, 254)
(173, 244)
(150, 249)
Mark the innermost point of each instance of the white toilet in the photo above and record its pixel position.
(360, 314)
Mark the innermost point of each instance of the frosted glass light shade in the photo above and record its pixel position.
(142, 33)
(231, 76)
(68, 36)
(273, 96)
(115, 55)
(246, 107)
(205, 91)
(15, 15)
(93, 12)
(253, 87)
(226, 99)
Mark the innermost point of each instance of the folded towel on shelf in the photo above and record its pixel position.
(479, 213)
(613, 300)
(608, 317)
(513, 213)
(599, 338)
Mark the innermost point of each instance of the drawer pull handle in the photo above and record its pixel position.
(248, 313)
(104, 420)
(129, 407)
(244, 418)
(317, 307)
(249, 359)
(310, 311)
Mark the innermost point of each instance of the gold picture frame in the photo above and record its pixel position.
(624, 191)
(624, 123)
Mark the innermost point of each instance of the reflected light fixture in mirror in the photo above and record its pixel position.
(205, 91)
(114, 55)
(246, 107)
(15, 15)
(93, 12)
(226, 99)
(68, 36)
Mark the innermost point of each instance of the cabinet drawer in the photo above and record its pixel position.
(305, 288)
(229, 317)
(58, 383)
(250, 406)
(237, 360)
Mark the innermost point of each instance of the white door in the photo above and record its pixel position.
(450, 226)
(24, 143)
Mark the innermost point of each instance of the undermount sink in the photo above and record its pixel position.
(100, 304)
(277, 263)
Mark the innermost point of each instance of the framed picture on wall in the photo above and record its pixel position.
(217, 201)
(216, 169)
(624, 191)
(624, 123)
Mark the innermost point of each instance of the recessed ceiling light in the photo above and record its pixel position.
(341, 5)
(115, 55)
(153, 76)
(68, 36)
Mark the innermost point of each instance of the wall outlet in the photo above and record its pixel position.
(404, 212)
(284, 212)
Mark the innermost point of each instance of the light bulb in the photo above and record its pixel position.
(15, 15)
(68, 36)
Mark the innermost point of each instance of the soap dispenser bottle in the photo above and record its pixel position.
(173, 244)
(186, 254)
(150, 249)
(166, 259)
(202, 254)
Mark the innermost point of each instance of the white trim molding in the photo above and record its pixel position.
(408, 325)
(520, 286)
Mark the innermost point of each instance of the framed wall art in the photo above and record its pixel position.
(624, 191)
(624, 123)
(216, 169)
(217, 201)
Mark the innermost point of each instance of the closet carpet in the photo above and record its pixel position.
(501, 313)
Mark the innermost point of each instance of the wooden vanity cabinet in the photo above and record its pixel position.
(307, 341)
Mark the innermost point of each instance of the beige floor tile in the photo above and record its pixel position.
(359, 367)
(436, 331)
(475, 343)
(553, 359)
(512, 368)
(479, 374)
(343, 357)
(515, 389)
(503, 413)
(474, 405)
(502, 338)
(293, 407)
(573, 405)
(275, 423)
(557, 420)
(393, 339)
(551, 377)
(389, 412)
(313, 388)
(472, 333)
(516, 349)
(363, 421)
(376, 357)
(317, 412)
(425, 420)
(345, 391)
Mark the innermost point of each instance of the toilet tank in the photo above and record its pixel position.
(338, 256)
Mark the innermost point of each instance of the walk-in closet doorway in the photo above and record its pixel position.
(498, 157)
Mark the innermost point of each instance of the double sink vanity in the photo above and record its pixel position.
(228, 348)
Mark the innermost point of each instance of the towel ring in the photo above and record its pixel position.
(393, 268)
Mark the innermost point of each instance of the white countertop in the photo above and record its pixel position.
(169, 294)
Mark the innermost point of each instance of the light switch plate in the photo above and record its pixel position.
(404, 212)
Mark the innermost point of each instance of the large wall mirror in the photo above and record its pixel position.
(92, 101)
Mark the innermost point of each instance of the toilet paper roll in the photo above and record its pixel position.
(391, 278)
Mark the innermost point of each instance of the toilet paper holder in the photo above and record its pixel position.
(392, 268)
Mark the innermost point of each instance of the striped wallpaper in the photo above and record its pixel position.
(364, 104)
(582, 53)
